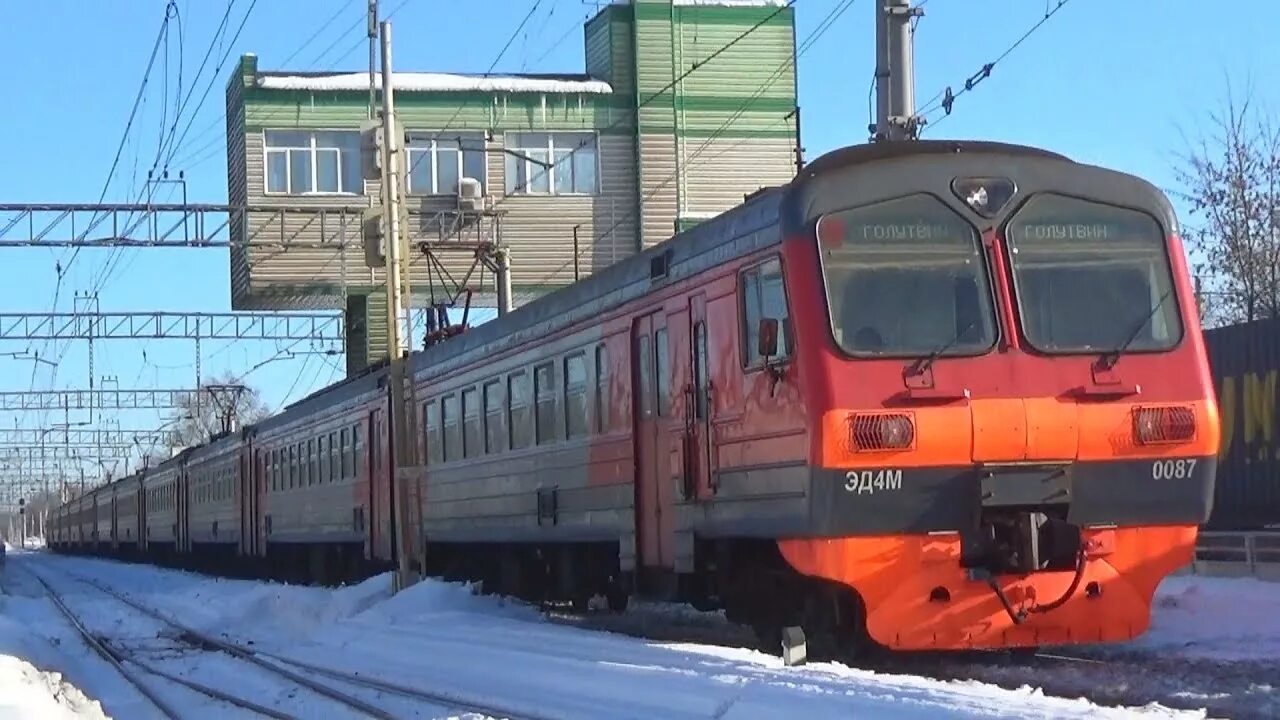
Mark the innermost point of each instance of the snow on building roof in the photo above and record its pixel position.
(438, 82)
(725, 3)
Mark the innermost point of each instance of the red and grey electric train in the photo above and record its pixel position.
(937, 394)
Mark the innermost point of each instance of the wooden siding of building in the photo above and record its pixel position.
(693, 149)
(538, 229)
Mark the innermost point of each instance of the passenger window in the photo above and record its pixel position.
(312, 473)
(644, 353)
(495, 426)
(544, 388)
(435, 434)
(575, 395)
(347, 461)
(602, 389)
(452, 429)
(472, 441)
(322, 460)
(700, 384)
(521, 419)
(763, 296)
(663, 364)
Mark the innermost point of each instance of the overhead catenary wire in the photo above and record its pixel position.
(116, 253)
(61, 268)
(449, 124)
(945, 99)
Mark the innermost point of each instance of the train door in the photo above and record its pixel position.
(651, 372)
(697, 405)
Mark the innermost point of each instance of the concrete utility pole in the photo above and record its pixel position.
(402, 402)
(895, 73)
(373, 56)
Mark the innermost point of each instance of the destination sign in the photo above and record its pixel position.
(1070, 231)
(912, 220)
(908, 231)
(835, 231)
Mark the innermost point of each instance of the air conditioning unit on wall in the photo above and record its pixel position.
(470, 195)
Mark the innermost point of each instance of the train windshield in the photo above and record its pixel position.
(1092, 277)
(906, 277)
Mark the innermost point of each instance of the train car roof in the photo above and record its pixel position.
(629, 277)
(368, 380)
(622, 281)
(872, 152)
(217, 445)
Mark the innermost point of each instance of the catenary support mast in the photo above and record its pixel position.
(895, 73)
(401, 383)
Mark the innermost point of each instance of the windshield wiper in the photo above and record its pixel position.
(1109, 358)
(923, 363)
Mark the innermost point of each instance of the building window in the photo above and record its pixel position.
(562, 163)
(300, 162)
(438, 160)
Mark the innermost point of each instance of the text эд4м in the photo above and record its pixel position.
(869, 481)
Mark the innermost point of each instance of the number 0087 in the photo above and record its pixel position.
(1172, 469)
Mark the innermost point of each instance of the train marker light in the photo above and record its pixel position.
(986, 196)
(1163, 425)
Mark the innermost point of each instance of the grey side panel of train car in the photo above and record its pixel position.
(1245, 362)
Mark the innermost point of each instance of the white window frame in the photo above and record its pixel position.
(412, 152)
(313, 151)
(530, 166)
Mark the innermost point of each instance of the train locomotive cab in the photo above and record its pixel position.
(1013, 428)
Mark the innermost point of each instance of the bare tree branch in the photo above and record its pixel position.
(1231, 180)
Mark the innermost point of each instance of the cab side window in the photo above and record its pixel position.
(762, 296)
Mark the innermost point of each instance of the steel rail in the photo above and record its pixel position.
(257, 656)
(195, 637)
(107, 653)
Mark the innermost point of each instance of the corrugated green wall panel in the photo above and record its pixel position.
(743, 68)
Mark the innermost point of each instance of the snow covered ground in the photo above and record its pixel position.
(443, 637)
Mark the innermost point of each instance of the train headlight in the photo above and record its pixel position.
(1163, 425)
(881, 431)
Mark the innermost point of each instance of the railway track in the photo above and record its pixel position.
(289, 669)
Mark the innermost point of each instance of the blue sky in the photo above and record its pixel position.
(1114, 82)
